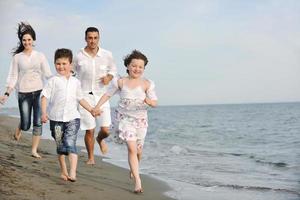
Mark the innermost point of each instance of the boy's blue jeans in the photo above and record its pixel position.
(65, 135)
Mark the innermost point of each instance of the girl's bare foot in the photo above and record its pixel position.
(35, 155)
(130, 175)
(138, 191)
(138, 186)
(64, 177)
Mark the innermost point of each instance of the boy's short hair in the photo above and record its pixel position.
(63, 53)
(91, 29)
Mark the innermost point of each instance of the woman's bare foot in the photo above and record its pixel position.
(35, 155)
(103, 145)
(64, 177)
(90, 162)
(17, 134)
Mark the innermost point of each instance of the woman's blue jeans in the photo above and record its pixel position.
(29, 102)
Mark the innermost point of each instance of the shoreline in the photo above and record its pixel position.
(25, 177)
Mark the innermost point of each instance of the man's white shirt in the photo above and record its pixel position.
(89, 70)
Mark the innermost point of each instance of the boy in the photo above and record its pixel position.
(63, 91)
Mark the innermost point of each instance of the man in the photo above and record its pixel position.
(95, 68)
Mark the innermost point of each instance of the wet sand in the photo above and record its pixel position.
(25, 177)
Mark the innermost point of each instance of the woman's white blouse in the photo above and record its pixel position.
(27, 72)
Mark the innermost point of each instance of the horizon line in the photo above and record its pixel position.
(209, 104)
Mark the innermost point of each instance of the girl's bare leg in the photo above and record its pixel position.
(134, 164)
(139, 157)
(139, 152)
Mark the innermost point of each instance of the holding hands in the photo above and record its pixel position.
(96, 112)
(44, 118)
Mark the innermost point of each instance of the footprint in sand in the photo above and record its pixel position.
(11, 157)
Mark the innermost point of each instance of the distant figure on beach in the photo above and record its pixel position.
(95, 68)
(136, 95)
(27, 71)
(63, 92)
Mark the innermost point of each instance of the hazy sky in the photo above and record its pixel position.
(200, 52)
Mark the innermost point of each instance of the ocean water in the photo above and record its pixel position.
(240, 151)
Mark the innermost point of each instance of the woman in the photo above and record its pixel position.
(27, 70)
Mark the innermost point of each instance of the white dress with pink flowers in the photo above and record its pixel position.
(130, 117)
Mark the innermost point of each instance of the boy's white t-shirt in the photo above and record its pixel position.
(63, 96)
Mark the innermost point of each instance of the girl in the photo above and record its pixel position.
(27, 70)
(136, 94)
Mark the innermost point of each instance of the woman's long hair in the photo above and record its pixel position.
(24, 28)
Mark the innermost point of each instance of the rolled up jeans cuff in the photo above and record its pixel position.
(37, 130)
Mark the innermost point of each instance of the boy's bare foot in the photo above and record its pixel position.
(35, 155)
(103, 145)
(64, 177)
(90, 162)
(72, 179)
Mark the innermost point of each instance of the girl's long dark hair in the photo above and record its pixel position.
(24, 28)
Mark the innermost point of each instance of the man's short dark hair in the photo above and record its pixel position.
(91, 29)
